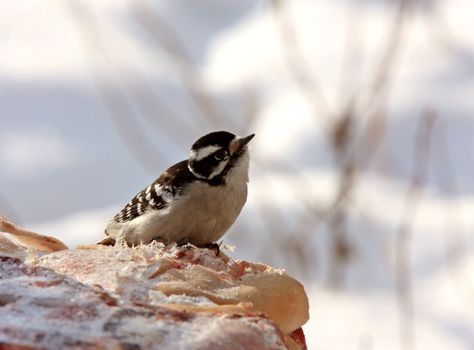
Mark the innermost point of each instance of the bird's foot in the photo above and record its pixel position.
(213, 246)
(159, 239)
(182, 242)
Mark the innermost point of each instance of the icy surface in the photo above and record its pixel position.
(42, 308)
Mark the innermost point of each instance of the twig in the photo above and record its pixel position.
(384, 70)
(296, 63)
(349, 89)
(454, 247)
(404, 232)
(375, 126)
(375, 106)
(352, 150)
(166, 38)
(167, 122)
(121, 113)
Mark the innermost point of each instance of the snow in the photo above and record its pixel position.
(40, 149)
(354, 320)
(66, 170)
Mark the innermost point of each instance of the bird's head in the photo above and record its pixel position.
(214, 154)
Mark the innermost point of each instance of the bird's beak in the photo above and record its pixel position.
(239, 143)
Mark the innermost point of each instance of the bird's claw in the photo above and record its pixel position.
(213, 246)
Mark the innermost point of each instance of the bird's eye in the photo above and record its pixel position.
(220, 155)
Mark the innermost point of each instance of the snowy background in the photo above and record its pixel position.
(361, 174)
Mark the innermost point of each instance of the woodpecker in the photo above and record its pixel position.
(194, 201)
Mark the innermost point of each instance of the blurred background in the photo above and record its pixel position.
(361, 172)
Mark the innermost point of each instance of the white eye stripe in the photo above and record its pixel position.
(204, 152)
(217, 170)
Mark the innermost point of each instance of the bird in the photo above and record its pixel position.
(194, 201)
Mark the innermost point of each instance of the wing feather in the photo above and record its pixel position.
(159, 194)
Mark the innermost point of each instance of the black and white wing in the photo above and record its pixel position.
(151, 198)
(159, 194)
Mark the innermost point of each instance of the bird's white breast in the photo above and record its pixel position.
(201, 214)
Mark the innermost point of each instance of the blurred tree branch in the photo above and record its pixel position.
(354, 146)
(404, 232)
(109, 88)
(169, 41)
(454, 247)
(301, 71)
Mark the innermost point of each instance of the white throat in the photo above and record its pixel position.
(240, 171)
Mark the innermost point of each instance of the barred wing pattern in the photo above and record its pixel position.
(158, 195)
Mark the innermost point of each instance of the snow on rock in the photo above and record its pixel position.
(146, 297)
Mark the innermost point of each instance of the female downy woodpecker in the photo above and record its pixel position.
(194, 201)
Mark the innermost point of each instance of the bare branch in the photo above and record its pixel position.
(108, 85)
(296, 63)
(166, 121)
(454, 247)
(167, 39)
(384, 71)
(404, 233)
